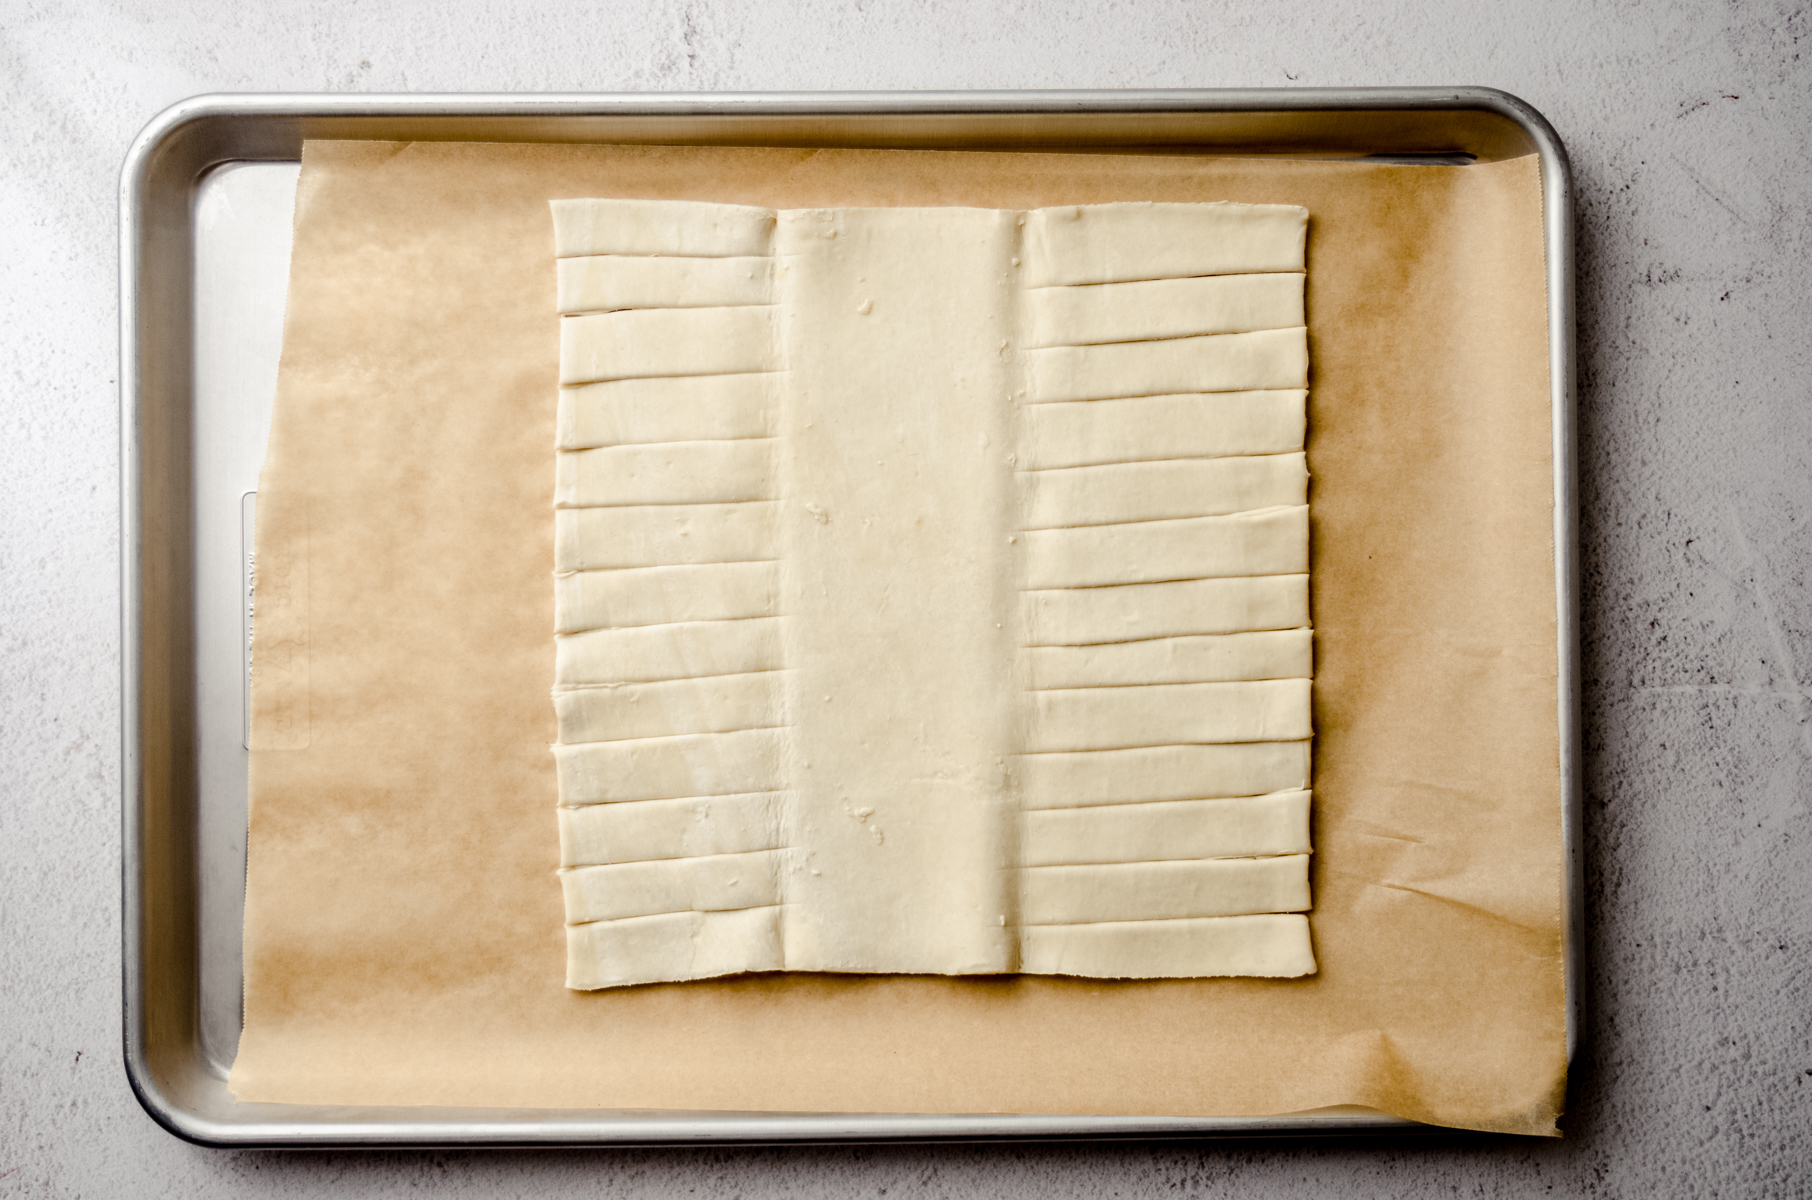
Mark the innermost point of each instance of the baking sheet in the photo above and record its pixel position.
(403, 929)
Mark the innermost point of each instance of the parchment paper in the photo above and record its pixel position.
(403, 931)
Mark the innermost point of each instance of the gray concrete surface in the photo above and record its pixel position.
(1690, 127)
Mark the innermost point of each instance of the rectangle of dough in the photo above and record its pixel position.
(1144, 428)
(589, 539)
(1167, 714)
(608, 282)
(689, 472)
(1148, 773)
(1250, 827)
(1117, 493)
(1163, 308)
(645, 830)
(636, 596)
(674, 650)
(1272, 945)
(712, 704)
(1221, 362)
(660, 228)
(663, 342)
(932, 590)
(674, 408)
(1091, 616)
(1267, 542)
(671, 768)
(677, 945)
(704, 883)
(1113, 243)
(1195, 658)
(1167, 889)
(892, 578)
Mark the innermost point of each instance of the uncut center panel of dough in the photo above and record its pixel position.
(932, 590)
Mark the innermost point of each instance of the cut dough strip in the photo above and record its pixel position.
(606, 283)
(647, 342)
(665, 595)
(671, 768)
(1152, 491)
(720, 704)
(1277, 654)
(1269, 542)
(681, 228)
(1098, 777)
(645, 830)
(1223, 362)
(667, 473)
(1169, 829)
(652, 653)
(1111, 243)
(1089, 616)
(1114, 718)
(1148, 891)
(643, 889)
(678, 408)
(589, 539)
(1144, 428)
(1271, 946)
(1163, 308)
(675, 946)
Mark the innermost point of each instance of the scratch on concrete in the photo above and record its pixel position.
(1771, 617)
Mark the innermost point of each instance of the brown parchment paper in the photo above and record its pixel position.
(403, 935)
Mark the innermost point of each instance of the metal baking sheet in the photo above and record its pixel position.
(206, 205)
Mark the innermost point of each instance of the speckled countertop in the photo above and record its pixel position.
(1690, 128)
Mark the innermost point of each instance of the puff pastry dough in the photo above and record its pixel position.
(932, 590)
